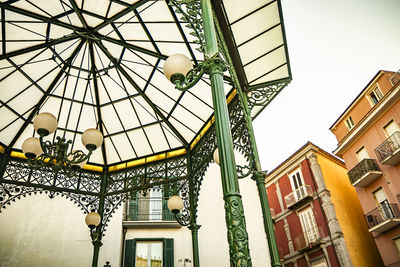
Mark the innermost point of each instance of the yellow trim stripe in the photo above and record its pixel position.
(148, 159)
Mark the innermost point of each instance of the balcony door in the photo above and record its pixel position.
(297, 183)
(390, 128)
(383, 204)
(309, 225)
(362, 154)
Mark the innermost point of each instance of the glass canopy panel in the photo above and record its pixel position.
(98, 64)
(258, 45)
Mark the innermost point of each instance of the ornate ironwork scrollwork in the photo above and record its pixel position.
(263, 96)
(191, 14)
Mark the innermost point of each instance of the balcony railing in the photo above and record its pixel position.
(389, 151)
(148, 209)
(364, 173)
(383, 218)
(308, 239)
(298, 197)
(395, 78)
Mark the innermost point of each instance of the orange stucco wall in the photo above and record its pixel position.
(389, 181)
(361, 245)
(361, 106)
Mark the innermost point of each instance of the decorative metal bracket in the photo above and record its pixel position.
(209, 65)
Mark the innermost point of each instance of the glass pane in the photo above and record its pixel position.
(141, 254)
(156, 254)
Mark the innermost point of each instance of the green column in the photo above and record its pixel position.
(193, 226)
(259, 177)
(234, 215)
(96, 251)
(96, 238)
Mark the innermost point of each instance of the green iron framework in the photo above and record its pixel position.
(105, 191)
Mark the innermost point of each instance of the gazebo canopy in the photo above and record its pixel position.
(98, 64)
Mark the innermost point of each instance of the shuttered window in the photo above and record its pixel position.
(149, 252)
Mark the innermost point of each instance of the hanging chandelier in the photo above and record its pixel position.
(56, 154)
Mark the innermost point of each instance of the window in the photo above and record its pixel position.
(149, 253)
(297, 183)
(349, 123)
(390, 128)
(396, 243)
(362, 154)
(375, 95)
(383, 204)
(319, 263)
(309, 225)
(149, 207)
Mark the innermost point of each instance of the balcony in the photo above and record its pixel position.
(299, 197)
(388, 152)
(149, 212)
(309, 239)
(383, 218)
(364, 173)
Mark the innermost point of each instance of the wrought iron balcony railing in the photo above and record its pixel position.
(383, 218)
(364, 173)
(299, 196)
(148, 209)
(389, 151)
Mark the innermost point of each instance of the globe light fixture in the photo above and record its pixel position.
(176, 67)
(175, 204)
(56, 155)
(92, 219)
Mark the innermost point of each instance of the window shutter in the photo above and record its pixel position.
(130, 253)
(168, 251)
(166, 213)
(133, 210)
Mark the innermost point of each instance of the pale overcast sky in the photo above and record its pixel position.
(335, 49)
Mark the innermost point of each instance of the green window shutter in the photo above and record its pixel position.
(168, 252)
(130, 253)
(166, 213)
(133, 210)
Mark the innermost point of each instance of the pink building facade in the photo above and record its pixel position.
(368, 135)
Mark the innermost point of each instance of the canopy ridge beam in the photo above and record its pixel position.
(120, 14)
(45, 95)
(37, 47)
(142, 94)
(97, 97)
(123, 43)
(52, 20)
(79, 13)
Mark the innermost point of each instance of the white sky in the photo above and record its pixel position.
(335, 49)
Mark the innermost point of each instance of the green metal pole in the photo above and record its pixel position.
(99, 233)
(194, 228)
(234, 215)
(258, 177)
(96, 251)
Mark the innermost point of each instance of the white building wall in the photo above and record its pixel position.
(38, 231)
(43, 232)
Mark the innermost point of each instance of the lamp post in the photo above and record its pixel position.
(178, 69)
(56, 155)
(93, 220)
